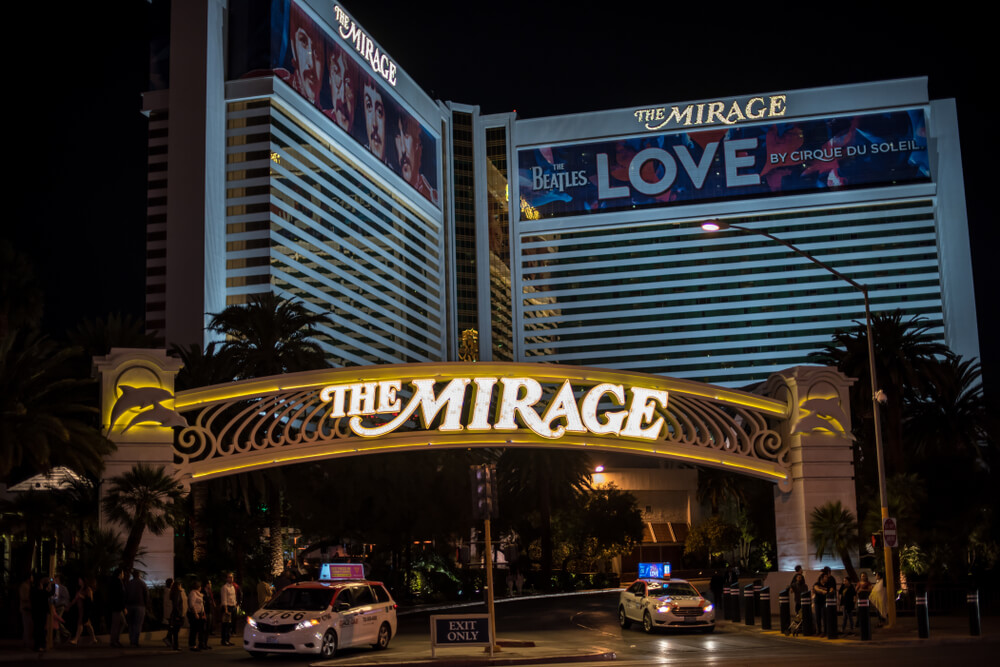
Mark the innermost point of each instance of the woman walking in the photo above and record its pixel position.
(84, 602)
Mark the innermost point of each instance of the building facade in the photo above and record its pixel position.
(322, 171)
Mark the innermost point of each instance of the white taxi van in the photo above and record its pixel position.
(665, 602)
(321, 617)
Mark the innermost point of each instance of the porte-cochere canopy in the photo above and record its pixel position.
(286, 419)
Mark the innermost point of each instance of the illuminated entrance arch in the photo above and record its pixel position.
(794, 433)
(331, 413)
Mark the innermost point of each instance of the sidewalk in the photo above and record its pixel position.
(150, 643)
(943, 630)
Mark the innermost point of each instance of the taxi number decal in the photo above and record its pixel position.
(264, 615)
(298, 617)
(286, 614)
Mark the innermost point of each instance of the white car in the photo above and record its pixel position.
(665, 603)
(322, 617)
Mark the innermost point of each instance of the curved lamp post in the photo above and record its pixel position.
(877, 395)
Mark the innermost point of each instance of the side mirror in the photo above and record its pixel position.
(341, 606)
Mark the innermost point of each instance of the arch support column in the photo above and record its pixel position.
(137, 414)
(821, 454)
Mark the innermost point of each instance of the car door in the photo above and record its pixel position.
(633, 603)
(350, 618)
(369, 614)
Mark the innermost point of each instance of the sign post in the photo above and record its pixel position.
(461, 630)
(889, 534)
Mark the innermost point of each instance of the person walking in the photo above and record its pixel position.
(116, 606)
(178, 604)
(60, 603)
(198, 633)
(848, 601)
(136, 602)
(84, 601)
(264, 591)
(24, 601)
(879, 599)
(229, 601)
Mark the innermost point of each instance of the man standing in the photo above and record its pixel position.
(824, 586)
(116, 605)
(229, 602)
(136, 601)
(198, 634)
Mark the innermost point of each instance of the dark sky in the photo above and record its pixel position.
(78, 139)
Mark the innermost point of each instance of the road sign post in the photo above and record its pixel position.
(889, 534)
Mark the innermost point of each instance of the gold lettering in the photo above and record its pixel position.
(697, 120)
(735, 109)
(754, 115)
(715, 111)
(777, 105)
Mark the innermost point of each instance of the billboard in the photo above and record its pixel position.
(738, 161)
(355, 96)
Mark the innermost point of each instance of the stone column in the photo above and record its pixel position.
(821, 455)
(137, 394)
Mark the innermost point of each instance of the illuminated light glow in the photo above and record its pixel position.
(480, 420)
(725, 112)
(646, 400)
(589, 410)
(511, 404)
(451, 396)
(334, 394)
(563, 406)
(364, 45)
(711, 226)
(387, 399)
(362, 398)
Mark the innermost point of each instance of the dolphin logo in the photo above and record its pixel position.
(825, 414)
(145, 397)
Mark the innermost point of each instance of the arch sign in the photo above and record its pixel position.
(349, 411)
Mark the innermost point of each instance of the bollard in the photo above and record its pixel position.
(727, 603)
(923, 620)
(864, 621)
(808, 626)
(784, 610)
(756, 598)
(748, 606)
(975, 629)
(764, 608)
(735, 590)
(830, 620)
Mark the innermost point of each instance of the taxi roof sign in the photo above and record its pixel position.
(341, 571)
(654, 570)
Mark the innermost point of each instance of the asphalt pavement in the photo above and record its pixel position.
(520, 650)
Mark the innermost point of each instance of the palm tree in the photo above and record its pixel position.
(834, 528)
(48, 417)
(271, 335)
(542, 480)
(906, 363)
(716, 487)
(143, 498)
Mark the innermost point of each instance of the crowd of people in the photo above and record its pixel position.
(846, 594)
(48, 605)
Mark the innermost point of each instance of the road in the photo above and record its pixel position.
(589, 621)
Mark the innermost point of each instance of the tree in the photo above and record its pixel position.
(712, 538)
(143, 498)
(541, 480)
(607, 524)
(271, 335)
(717, 487)
(48, 417)
(833, 528)
(906, 363)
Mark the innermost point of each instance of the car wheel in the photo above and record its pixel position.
(384, 635)
(623, 619)
(328, 648)
(647, 622)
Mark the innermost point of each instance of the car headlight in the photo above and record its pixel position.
(707, 608)
(663, 608)
(308, 623)
(252, 623)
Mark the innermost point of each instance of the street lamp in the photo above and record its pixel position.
(877, 395)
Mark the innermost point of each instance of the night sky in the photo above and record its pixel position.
(78, 137)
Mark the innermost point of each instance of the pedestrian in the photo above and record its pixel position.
(228, 603)
(60, 603)
(41, 605)
(178, 605)
(167, 608)
(116, 606)
(265, 591)
(284, 579)
(823, 587)
(24, 600)
(84, 601)
(879, 599)
(848, 602)
(510, 583)
(519, 582)
(211, 606)
(198, 634)
(799, 587)
(136, 603)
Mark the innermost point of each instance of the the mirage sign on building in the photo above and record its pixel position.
(723, 162)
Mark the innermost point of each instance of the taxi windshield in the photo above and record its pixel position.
(672, 588)
(302, 599)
